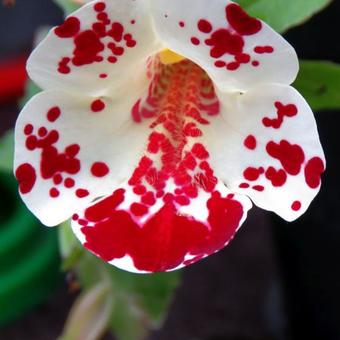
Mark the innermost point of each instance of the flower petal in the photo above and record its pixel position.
(173, 210)
(237, 51)
(267, 147)
(71, 150)
(96, 49)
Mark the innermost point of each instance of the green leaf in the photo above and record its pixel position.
(90, 314)
(6, 152)
(283, 14)
(141, 302)
(67, 6)
(31, 90)
(319, 83)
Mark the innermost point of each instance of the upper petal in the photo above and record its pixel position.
(237, 51)
(71, 150)
(96, 49)
(267, 147)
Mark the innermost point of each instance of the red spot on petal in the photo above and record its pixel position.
(313, 171)
(99, 7)
(277, 177)
(81, 193)
(97, 105)
(69, 28)
(54, 192)
(291, 156)
(53, 114)
(26, 176)
(296, 206)
(195, 41)
(241, 22)
(99, 169)
(28, 129)
(204, 26)
(69, 182)
(250, 142)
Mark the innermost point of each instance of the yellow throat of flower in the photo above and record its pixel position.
(169, 57)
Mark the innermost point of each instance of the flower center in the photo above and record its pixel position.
(168, 57)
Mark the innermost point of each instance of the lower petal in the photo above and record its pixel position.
(165, 236)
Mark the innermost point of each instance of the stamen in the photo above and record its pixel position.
(169, 57)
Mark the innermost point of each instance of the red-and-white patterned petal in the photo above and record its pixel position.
(237, 51)
(173, 210)
(267, 147)
(71, 150)
(97, 49)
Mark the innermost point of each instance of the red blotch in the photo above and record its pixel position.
(253, 174)
(69, 182)
(26, 176)
(283, 111)
(69, 28)
(54, 193)
(103, 75)
(263, 49)
(195, 41)
(99, 169)
(241, 22)
(250, 142)
(313, 171)
(181, 24)
(259, 188)
(166, 238)
(87, 48)
(291, 156)
(296, 206)
(53, 114)
(99, 7)
(81, 193)
(97, 105)
(223, 41)
(28, 129)
(204, 26)
(277, 177)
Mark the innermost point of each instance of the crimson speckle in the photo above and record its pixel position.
(296, 206)
(97, 105)
(291, 156)
(195, 41)
(53, 114)
(250, 142)
(81, 193)
(204, 26)
(241, 22)
(69, 28)
(99, 169)
(181, 24)
(26, 177)
(54, 192)
(28, 129)
(69, 182)
(99, 7)
(313, 171)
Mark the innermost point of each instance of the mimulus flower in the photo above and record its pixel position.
(159, 123)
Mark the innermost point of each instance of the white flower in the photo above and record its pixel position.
(158, 122)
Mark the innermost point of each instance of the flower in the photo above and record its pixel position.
(158, 122)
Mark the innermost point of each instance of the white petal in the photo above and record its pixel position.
(215, 33)
(71, 150)
(267, 146)
(97, 49)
